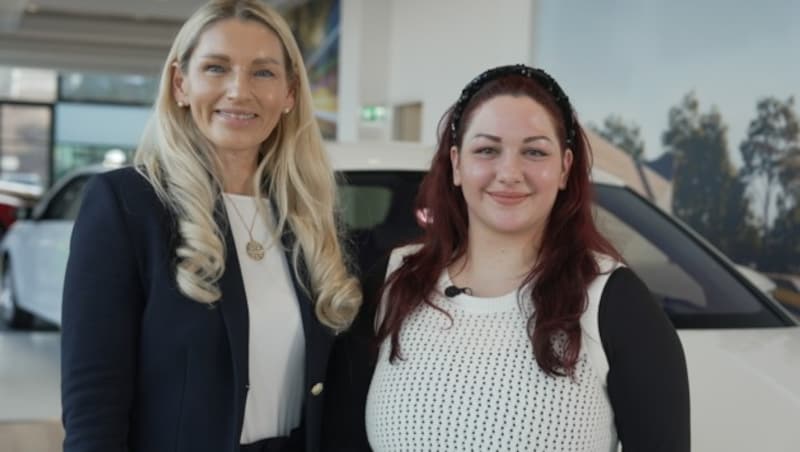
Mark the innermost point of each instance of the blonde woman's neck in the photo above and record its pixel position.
(238, 168)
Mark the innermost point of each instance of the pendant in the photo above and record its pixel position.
(255, 250)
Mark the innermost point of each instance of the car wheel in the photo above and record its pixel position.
(10, 313)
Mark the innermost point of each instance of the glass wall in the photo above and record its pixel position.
(87, 134)
(29, 85)
(25, 143)
(108, 88)
(701, 92)
(26, 118)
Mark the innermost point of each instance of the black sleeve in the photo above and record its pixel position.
(647, 381)
(101, 312)
(350, 369)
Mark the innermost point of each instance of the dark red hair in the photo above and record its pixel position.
(566, 262)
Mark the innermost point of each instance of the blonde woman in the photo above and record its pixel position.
(205, 285)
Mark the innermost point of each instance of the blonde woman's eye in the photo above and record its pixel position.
(215, 69)
(265, 73)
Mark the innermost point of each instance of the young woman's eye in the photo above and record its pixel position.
(264, 73)
(535, 152)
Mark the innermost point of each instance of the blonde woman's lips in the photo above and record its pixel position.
(235, 117)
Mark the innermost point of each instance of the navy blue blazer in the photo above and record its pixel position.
(144, 368)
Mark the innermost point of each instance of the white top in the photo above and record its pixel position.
(276, 342)
(473, 383)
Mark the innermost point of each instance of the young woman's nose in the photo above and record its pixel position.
(509, 168)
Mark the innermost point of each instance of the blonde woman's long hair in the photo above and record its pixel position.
(293, 170)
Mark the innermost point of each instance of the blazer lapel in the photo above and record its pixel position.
(234, 313)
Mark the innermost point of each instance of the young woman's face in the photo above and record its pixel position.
(510, 166)
(236, 85)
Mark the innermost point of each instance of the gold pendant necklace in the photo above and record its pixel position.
(254, 248)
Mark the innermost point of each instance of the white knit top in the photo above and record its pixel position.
(472, 384)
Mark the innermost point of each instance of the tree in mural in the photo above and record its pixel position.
(770, 151)
(707, 193)
(622, 134)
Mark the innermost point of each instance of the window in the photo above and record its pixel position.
(378, 210)
(25, 143)
(111, 88)
(692, 283)
(29, 85)
(366, 206)
(86, 134)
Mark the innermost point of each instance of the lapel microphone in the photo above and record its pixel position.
(452, 291)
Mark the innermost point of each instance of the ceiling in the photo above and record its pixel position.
(94, 35)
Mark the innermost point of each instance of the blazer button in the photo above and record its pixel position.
(317, 389)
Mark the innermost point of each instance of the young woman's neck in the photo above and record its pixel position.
(238, 168)
(495, 264)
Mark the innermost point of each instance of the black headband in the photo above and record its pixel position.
(540, 76)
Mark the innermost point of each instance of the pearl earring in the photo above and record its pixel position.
(181, 104)
(286, 112)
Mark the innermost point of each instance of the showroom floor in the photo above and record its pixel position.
(30, 406)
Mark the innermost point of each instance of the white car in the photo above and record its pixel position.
(34, 253)
(742, 347)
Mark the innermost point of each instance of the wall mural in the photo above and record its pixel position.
(316, 27)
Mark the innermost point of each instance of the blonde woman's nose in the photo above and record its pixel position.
(238, 85)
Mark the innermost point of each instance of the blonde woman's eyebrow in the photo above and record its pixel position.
(260, 61)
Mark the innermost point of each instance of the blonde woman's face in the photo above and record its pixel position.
(236, 85)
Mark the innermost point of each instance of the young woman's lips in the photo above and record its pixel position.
(508, 198)
(236, 118)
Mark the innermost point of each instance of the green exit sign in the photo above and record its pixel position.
(373, 113)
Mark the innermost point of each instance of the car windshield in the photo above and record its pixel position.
(696, 287)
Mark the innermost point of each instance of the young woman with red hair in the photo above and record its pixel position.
(514, 324)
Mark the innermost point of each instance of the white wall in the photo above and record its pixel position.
(363, 66)
(426, 51)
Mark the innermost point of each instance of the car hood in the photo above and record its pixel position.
(745, 388)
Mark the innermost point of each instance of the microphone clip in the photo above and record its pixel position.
(453, 291)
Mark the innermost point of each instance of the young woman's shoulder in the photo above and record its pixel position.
(400, 253)
(647, 367)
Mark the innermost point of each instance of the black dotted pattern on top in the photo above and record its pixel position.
(473, 385)
(536, 74)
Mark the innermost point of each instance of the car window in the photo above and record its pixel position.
(695, 287)
(65, 204)
(366, 205)
(662, 275)
(378, 211)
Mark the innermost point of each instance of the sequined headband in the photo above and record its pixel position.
(540, 76)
